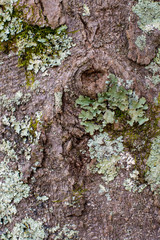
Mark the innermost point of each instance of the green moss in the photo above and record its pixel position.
(149, 14)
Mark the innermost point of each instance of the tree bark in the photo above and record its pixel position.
(59, 166)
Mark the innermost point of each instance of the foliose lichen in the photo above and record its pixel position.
(11, 103)
(107, 154)
(153, 173)
(96, 114)
(103, 190)
(28, 229)
(148, 12)
(42, 198)
(154, 69)
(141, 42)
(26, 128)
(132, 184)
(67, 232)
(58, 101)
(13, 190)
(86, 11)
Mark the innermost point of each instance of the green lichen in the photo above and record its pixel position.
(8, 148)
(58, 101)
(153, 163)
(26, 128)
(107, 153)
(28, 229)
(86, 11)
(13, 190)
(141, 42)
(103, 190)
(10, 25)
(67, 232)
(132, 184)
(110, 106)
(154, 69)
(42, 198)
(25, 135)
(149, 14)
(11, 103)
(38, 48)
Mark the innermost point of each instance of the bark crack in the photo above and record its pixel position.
(42, 7)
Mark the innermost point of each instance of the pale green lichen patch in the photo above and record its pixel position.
(141, 42)
(107, 154)
(67, 232)
(28, 229)
(149, 14)
(103, 190)
(117, 100)
(86, 11)
(26, 128)
(132, 184)
(10, 25)
(58, 101)
(154, 69)
(10, 103)
(38, 48)
(153, 173)
(9, 149)
(25, 134)
(13, 190)
(42, 198)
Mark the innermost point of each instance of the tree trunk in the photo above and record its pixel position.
(52, 182)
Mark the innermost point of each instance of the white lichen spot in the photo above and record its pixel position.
(42, 198)
(103, 190)
(132, 184)
(86, 11)
(58, 101)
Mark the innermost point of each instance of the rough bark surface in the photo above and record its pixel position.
(105, 43)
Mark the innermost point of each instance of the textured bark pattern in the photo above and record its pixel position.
(104, 44)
